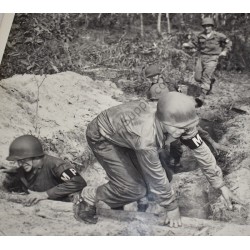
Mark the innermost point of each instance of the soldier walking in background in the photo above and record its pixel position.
(211, 45)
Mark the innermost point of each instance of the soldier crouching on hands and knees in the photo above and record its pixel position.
(42, 176)
(126, 140)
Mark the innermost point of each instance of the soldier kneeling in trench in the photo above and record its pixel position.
(126, 140)
(40, 175)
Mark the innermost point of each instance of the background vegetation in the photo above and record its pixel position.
(120, 45)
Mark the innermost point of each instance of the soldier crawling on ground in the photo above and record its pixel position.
(39, 175)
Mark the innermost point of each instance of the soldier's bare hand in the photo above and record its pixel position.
(34, 197)
(173, 218)
(219, 147)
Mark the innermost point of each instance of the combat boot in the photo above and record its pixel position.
(142, 204)
(142, 207)
(84, 211)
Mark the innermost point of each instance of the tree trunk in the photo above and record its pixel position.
(86, 21)
(168, 23)
(130, 17)
(246, 30)
(182, 23)
(99, 16)
(159, 25)
(217, 19)
(142, 26)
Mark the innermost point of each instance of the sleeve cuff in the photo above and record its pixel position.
(173, 205)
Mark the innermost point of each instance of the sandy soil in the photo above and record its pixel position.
(58, 107)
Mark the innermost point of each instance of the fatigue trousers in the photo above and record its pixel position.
(204, 71)
(126, 183)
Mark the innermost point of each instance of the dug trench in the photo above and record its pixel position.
(196, 197)
(59, 115)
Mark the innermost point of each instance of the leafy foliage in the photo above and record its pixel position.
(51, 43)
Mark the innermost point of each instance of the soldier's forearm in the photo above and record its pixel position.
(74, 185)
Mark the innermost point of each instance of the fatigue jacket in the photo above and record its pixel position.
(57, 177)
(134, 125)
(212, 45)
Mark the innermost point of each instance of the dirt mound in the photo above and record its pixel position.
(56, 108)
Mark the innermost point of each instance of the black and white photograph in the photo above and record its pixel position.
(124, 124)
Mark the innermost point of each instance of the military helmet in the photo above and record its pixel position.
(156, 90)
(152, 70)
(177, 109)
(23, 147)
(207, 21)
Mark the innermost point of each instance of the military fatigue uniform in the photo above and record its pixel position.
(126, 140)
(56, 177)
(209, 47)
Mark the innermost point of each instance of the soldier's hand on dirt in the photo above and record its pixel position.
(223, 54)
(34, 197)
(173, 218)
(229, 196)
(218, 147)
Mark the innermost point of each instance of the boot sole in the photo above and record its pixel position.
(78, 218)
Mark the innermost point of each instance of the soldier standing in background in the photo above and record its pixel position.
(211, 45)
